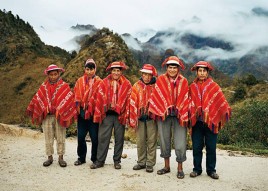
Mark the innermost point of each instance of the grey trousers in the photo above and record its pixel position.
(110, 123)
(179, 137)
(53, 130)
(146, 142)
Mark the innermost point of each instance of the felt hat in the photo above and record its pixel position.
(117, 64)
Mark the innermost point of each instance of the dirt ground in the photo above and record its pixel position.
(22, 153)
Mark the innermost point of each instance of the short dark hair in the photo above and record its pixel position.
(90, 65)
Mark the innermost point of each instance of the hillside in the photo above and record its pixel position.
(23, 58)
(104, 47)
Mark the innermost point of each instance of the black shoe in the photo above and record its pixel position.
(149, 169)
(96, 165)
(117, 165)
(139, 167)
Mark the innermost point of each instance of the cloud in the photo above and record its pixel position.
(243, 23)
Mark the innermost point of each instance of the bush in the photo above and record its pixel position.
(248, 126)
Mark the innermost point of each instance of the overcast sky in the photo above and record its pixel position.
(232, 20)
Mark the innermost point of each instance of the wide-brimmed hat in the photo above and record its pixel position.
(53, 67)
(90, 62)
(150, 69)
(202, 64)
(173, 60)
(117, 64)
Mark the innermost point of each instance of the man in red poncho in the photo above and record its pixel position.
(53, 106)
(85, 91)
(209, 111)
(111, 113)
(140, 120)
(169, 106)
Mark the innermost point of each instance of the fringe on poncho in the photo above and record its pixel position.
(85, 94)
(103, 99)
(166, 97)
(210, 104)
(139, 102)
(63, 98)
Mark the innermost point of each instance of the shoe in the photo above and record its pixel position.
(214, 175)
(194, 174)
(149, 169)
(62, 163)
(180, 175)
(96, 165)
(48, 162)
(78, 162)
(163, 171)
(139, 167)
(117, 166)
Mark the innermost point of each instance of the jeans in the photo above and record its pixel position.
(85, 126)
(203, 136)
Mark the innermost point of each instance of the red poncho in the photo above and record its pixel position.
(62, 101)
(108, 99)
(210, 105)
(167, 96)
(138, 102)
(85, 94)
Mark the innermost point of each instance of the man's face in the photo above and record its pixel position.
(116, 73)
(53, 76)
(172, 71)
(202, 73)
(146, 77)
(90, 72)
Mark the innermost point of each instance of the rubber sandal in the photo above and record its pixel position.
(194, 174)
(214, 175)
(48, 162)
(62, 163)
(78, 162)
(163, 171)
(180, 175)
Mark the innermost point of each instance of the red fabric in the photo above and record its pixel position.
(62, 100)
(90, 97)
(139, 101)
(208, 102)
(104, 99)
(166, 97)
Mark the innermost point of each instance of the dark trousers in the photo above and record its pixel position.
(109, 124)
(203, 136)
(85, 126)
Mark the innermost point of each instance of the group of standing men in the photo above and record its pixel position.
(155, 106)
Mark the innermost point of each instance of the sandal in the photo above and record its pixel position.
(194, 174)
(48, 162)
(78, 162)
(214, 175)
(62, 163)
(163, 171)
(180, 175)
